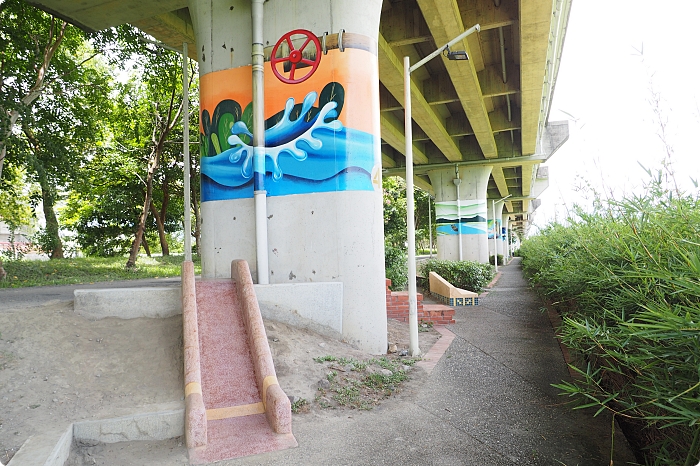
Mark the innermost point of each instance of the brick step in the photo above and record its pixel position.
(397, 308)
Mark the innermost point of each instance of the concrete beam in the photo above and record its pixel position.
(172, 29)
(500, 180)
(445, 23)
(488, 15)
(393, 134)
(535, 20)
(95, 15)
(387, 159)
(500, 162)
(491, 80)
(528, 173)
(391, 75)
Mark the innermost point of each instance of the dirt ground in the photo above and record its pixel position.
(57, 367)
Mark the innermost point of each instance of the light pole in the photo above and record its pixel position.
(495, 232)
(185, 140)
(414, 350)
(430, 227)
(457, 181)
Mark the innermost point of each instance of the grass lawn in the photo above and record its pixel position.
(83, 270)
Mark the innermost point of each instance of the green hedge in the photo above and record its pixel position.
(467, 275)
(626, 280)
(396, 267)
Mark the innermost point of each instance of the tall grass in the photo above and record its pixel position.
(626, 280)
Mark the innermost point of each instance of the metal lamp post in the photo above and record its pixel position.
(414, 350)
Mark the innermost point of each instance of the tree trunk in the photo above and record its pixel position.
(146, 248)
(153, 163)
(161, 229)
(48, 201)
(136, 245)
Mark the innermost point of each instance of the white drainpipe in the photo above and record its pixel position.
(260, 194)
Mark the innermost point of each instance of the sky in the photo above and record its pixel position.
(617, 55)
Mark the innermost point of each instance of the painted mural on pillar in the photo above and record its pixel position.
(316, 139)
(471, 219)
(493, 229)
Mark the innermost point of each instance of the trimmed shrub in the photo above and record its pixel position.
(396, 268)
(500, 259)
(467, 275)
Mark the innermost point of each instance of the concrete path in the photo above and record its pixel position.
(20, 298)
(488, 401)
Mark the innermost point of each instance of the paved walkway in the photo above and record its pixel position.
(487, 402)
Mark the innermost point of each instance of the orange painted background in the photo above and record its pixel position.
(353, 69)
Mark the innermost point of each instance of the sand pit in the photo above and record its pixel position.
(57, 367)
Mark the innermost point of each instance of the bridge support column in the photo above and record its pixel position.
(504, 236)
(495, 227)
(471, 218)
(321, 167)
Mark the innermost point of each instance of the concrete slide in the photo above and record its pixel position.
(234, 406)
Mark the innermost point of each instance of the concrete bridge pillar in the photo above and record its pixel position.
(504, 236)
(322, 160)
(466, 213)
(495, 227)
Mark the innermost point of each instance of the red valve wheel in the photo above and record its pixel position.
(296, 58)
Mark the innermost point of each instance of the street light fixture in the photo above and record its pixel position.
(414, 350)
(457, 55)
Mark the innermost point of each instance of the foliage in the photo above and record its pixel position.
(627, 281)
(50, 100)
(395, 267)
(14, 200)
(361, 384)
(25, 273)
(394, 193)
(104, 205)
(500, 259)
(467, 275)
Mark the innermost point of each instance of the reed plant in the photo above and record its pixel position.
(626, 280)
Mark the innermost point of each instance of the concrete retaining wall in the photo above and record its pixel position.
(53, 448)
(128, 303)
(316, 306)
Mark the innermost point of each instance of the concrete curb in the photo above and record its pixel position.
(128, 303)
(434, 354)
(53, 448)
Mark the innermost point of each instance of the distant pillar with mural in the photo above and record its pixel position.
(504, 236)
(495, 227)
(322, 161)
(468, 215)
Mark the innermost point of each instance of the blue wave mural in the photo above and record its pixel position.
(311, 153)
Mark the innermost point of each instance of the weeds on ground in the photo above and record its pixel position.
(360, 384)
(300, 406)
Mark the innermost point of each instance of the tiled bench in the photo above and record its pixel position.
(442, 290)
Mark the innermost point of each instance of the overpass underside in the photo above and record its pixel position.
(333, 116)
